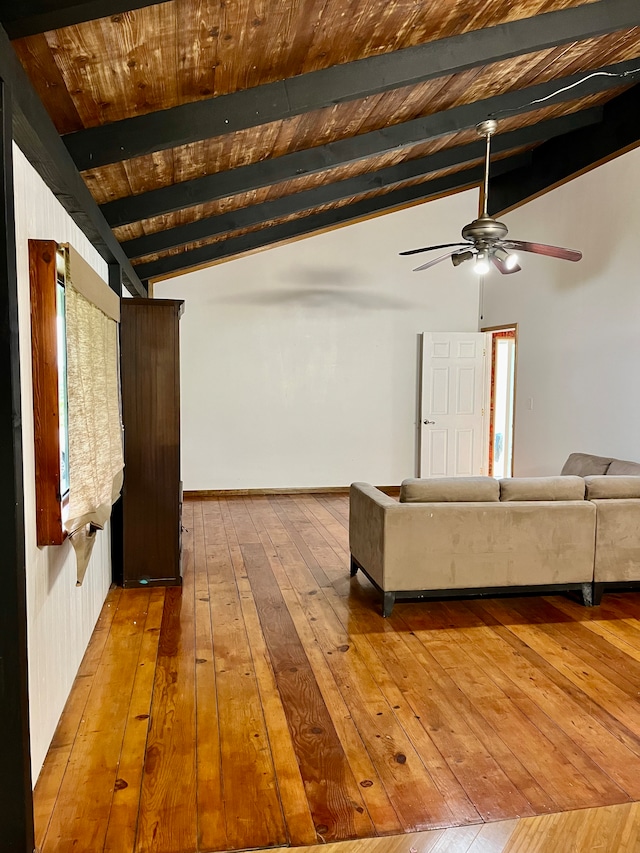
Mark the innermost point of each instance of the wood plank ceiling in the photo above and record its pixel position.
(205, 129)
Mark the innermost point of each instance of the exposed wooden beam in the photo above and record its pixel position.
(560, 159)
(16, 814)
(115, 278)
(321, 157)
(308, 199)
(133, 137)
(37, 137)
(39, 16)
(327, 219)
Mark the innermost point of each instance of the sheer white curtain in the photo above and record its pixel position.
(95, 427)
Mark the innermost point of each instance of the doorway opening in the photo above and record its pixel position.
(502, 367)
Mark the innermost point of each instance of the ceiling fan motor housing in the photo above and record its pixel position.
(485, 229)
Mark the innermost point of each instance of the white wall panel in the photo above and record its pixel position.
(300, 363)
(578, 323)
(61, 616)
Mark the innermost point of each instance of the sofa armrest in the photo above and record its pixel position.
(367, 509)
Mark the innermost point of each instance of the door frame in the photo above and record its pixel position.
(16, 815)
(505, 327)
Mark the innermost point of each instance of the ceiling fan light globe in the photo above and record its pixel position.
(509, 259)
(481, 266)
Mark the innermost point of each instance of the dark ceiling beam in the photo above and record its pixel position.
(559, 159)
(315, 90)
(30, 17)
(38, 139)
(359, 185)
(278, 169)
(306, 225)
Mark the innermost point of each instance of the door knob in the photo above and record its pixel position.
(428, 422)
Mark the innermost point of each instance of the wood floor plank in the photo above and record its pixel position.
(123, 817)
(295, 806)
(329, 555)
(93, 655)
(291, 520)
(338, 810)
(339, 509)
(49, 781)
(252, 805)
(168, 798)
(212, 832)
(373, 794)
(80, 822)
(333, 530)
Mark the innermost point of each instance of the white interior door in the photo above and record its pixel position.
(452, 404)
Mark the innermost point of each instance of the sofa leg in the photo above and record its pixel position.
(598, 589)
(388, 601)
(588, 596)
(354, 567)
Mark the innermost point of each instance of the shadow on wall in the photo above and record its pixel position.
(320, 288)
(56, 559)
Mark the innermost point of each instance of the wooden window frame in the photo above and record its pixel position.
(43, 274)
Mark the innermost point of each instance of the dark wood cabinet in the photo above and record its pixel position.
(149, 519)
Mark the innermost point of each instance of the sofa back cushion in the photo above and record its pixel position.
(612, 487)
(583, 464)
(563, 488)
(620, 467)
(445, 489)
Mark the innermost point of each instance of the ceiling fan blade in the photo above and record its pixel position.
(504, 269)
(429, 248)
(543, 249)
(433, 262)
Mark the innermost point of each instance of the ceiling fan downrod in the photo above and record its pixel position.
(485, 229)
(487, 129)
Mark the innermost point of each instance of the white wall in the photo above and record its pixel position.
(61, 616)
(299, 363)
(579, 324)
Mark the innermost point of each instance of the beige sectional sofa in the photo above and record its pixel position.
(474, 535)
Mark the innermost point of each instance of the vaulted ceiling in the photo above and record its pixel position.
(205, 129)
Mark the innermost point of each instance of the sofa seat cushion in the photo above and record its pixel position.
(612, 487)
(582, 464)
(620, 467)
(449, 489)
(565, 488)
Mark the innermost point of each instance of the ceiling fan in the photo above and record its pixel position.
(485, 239)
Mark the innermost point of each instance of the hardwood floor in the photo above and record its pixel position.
(268, 704)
